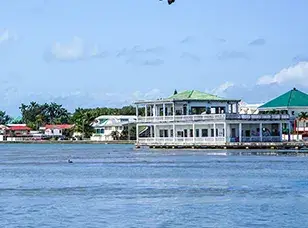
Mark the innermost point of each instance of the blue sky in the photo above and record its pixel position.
(110, 53)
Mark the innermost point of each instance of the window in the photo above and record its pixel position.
(191, 132)
(205, 132)
(185, 132)
(212, 132)
(197, 133)
(166, 133)
(161, 133)
(102, 131)
(171, 133)
(306, 124)
(216, 132)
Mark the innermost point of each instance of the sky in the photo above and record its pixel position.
(110, 53)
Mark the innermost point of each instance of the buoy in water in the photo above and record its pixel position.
(69, 161)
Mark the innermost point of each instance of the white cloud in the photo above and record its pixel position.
(76, 49)
(221, 90)
(70, 51)
(6, 35)
(152, 94)
(295, 74)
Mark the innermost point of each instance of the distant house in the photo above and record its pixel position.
(56, 129)
(17, 132)
(104, 126)
(3, 129)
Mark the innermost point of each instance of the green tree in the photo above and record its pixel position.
(36, 115)
(115, 135)
(4, 118)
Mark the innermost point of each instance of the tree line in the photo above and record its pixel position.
(35, 115)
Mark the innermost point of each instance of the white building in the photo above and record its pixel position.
(196, 118)
(106, 126)
(294, 103)
(56, 130)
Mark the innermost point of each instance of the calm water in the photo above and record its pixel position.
(116, 186)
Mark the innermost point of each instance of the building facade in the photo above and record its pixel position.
(108, 128)
(196, 118)
(295, 104)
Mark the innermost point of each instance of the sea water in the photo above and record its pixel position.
(118, 186)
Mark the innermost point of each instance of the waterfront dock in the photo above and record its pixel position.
(234, 146)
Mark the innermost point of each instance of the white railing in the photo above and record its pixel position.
(257, 117)
(211, 117)
(181, 118)
(182, 140)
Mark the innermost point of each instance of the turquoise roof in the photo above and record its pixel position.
(292, 98)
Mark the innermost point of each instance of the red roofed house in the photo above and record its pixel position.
(17, 130)
(57, 129)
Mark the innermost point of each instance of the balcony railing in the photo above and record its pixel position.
(210, 117)
(204, 140)
(181, 140)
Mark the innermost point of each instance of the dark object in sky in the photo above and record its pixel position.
(170, 1)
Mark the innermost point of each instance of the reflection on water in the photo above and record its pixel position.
(116, 186)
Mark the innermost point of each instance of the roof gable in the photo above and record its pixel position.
(292, 98)
(196, 95)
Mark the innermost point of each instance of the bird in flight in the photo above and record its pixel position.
(169, 1)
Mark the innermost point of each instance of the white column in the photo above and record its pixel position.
(151, 131)
(231, 108)
(151, 110)
(280, 131)
(261, 132)
(173, 110)
(164, 112)
(240, 132)
(214, 132)
(137, 111)
(154, 110)
(225, 132)
(194, 129)
(137, 133)
(174, 132)
(154, 129)
(146, 110)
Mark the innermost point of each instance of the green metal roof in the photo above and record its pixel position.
(196, 95)
(293, 98)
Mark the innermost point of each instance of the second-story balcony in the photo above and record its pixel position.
(211, 117)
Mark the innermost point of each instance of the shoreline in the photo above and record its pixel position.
(128, 142)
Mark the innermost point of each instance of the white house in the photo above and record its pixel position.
(104, 126)
(196, 118)
(56, 130)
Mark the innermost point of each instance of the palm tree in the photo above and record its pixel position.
(169, 1)
(115, 135)
(303, 116)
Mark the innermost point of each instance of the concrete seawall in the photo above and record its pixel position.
(236, 146)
